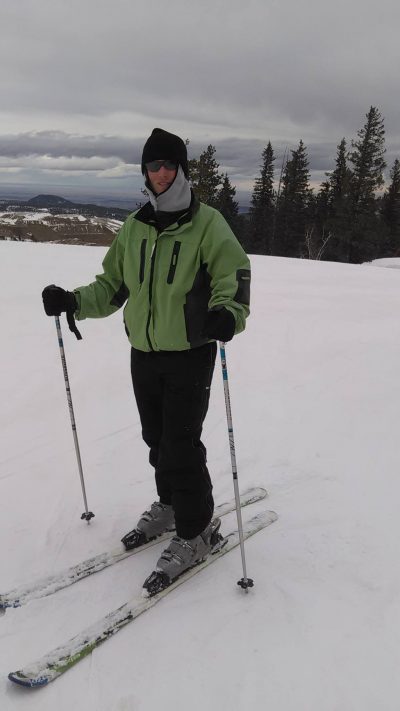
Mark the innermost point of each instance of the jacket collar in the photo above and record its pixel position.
(147, 214)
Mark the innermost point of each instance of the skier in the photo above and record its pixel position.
(185, 283)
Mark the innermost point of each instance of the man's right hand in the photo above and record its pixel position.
(56, 300)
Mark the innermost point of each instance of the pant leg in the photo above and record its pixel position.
(148, 387)
(181, 465)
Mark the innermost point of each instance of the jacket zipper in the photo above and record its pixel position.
(151, 279)
(174, 261)
(153, 259)
(142, 260)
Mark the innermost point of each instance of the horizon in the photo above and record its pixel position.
(84, 196)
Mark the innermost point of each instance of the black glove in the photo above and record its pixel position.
(220, 324)
(56, 300)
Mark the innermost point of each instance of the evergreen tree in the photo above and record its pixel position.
(340, 207)
(340, 178)
(367, 158)
(262, 209)
(226, 203)
(391, 211)
(205, 177)
(368, 162)
(317, 234)
(293, 206)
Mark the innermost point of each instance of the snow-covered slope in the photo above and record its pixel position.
(316, 405)
(389, 263)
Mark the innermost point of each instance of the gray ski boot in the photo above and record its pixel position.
(183, 554)
(158, 520)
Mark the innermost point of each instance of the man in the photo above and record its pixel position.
(185, 283)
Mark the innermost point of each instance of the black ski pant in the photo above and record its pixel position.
(172, 390)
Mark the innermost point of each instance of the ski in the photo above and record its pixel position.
(52, 665)
(51, 584)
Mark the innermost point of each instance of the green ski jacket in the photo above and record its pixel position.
(168, 280)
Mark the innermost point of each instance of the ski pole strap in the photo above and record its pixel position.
(72, 325)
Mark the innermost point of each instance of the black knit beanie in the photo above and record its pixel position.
(165, 146)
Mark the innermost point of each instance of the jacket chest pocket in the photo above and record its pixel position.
(174, 262)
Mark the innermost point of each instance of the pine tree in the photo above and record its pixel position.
(205, 176)
(368, 162)
(367, 158)
(340, 178)
(226, 203)
(317, 236)
(293, 204)
(262, 209)
(340, 207)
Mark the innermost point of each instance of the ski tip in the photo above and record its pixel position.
(19, 678)
(266, 517)
(258, 492)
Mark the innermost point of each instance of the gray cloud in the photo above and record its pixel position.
(85, 80)
(61, 144)
(225, 62)
(237, 156)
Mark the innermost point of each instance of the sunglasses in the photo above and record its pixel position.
(155, 165)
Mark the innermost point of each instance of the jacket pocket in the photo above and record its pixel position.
(142, 260)
(243, 291)
(174, 262)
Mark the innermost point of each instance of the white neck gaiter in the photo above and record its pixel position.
(177, 197)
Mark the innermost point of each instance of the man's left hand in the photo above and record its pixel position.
(219, 324)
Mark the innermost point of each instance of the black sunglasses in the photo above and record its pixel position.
(155, 165)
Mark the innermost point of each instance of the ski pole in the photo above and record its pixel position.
(87, 515)
(245, 582)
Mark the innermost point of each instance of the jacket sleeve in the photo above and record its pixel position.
(108, 292)
(229, 268)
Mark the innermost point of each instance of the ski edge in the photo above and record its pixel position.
(52, 665)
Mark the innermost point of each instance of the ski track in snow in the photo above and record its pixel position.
(316, 403)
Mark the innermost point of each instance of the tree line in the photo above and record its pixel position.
(350, 218)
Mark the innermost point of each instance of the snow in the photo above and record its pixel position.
(43, 215)
(12, 218)
(316, 404)
(391, 263)
(113, 225)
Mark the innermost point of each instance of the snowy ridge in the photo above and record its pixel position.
(44, 226)
(43, 215)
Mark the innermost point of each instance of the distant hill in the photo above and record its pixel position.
(56, 204)
(49, 201)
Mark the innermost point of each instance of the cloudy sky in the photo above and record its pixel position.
(83, 82)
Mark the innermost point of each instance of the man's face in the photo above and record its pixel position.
(161, 179)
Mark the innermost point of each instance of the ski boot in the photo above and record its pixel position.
(181, 555)
(153, 523)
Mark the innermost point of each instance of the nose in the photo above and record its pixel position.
(164, 173)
